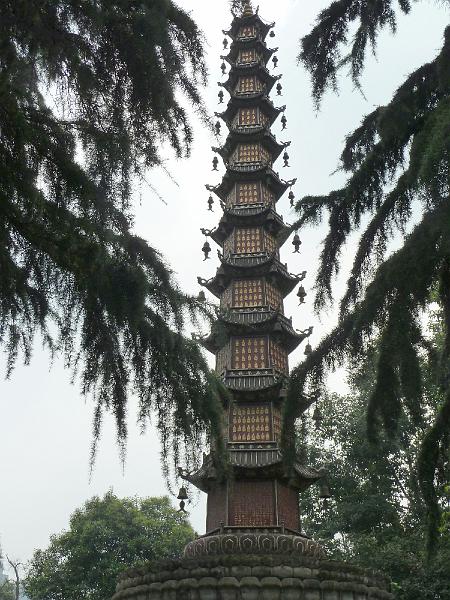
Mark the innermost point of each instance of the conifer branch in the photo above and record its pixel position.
(89, 93)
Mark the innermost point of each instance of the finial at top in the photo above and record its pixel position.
(247, 10)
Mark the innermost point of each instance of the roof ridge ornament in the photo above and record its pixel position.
(247, 9)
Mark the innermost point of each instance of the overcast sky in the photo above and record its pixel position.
(45, 424)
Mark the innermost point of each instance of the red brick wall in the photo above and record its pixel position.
(252, 504)
(216, 507)
(288, 509)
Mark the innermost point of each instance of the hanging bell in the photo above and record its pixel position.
(291, 198)
(218, 127)
(296, 242)
(272, 34)
(275, 62)
(225, 43)
(286, 159)
(182, 494)
(215, 163)
(223, 68)
(301, 294)
(210, 203)
(279, 88)
(308, 349)
(283, 121)
(201, 296)
(324, 490)
(317, 417)
(206, 250)
(221, 95)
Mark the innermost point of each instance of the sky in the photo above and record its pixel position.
(45, 423)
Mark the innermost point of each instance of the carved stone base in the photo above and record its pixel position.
(253, 543)
(252, 577)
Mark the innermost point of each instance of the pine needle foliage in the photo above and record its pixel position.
(88, 93)
(400, 155)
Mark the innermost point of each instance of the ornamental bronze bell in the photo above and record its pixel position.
(317, 417)
(324, 492)
(182, 496)
(206, 250)
(308, 349)
(201, 296)
(296, 242)
(301, 294)
(291, 198)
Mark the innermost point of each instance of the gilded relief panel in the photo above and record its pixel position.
(248, 240)
(250, 423)
(249, 353)
(278, 357)
(248, 293)
(249, 84)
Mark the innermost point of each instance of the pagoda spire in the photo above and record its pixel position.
(252, 337)
(247, 10)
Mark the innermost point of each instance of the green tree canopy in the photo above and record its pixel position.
(397, 158)
(105, 537)
(88, 94)
(377, 517)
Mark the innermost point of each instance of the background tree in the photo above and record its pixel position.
(377, 517)
(15, 567)
(105, 536)
(396, 160)
(88, 94)
(7, 591)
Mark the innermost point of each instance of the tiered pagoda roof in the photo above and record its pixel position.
(252, 338)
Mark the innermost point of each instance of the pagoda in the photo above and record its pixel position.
(254, 548)
(252, 338)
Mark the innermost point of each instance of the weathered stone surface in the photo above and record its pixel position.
(270, 588)
(253, 543)
(330, 595)
(282, 571)
(250, 588)
(207, 588)
(169, 589)
(252, 577)
(240, 571)
(189, 589)
(302, 572)
(261, 571)
(292, 588)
